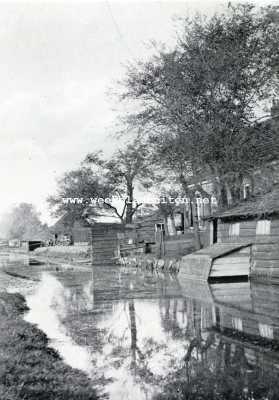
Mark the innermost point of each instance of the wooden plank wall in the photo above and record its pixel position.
(266, 301)
(259, 310)
(236, 263)
(248, 323)
(234, 294)
(274, 230)
(82, 235)
(178, 248)
(247, 232)
(265, 250)
(265, 262)
(146, 229)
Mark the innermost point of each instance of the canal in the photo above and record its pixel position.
(143, 335)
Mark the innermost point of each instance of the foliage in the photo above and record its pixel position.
(23, 222)
(81, 184)
(198, 102)
(108, 180)
(122, 171)
(220, 375)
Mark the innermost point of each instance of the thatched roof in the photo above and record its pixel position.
(262, 205)
(66, 223)
(104, 218)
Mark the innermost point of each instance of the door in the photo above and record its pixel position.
(215, 231)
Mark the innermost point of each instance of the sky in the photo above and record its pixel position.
(60, 61)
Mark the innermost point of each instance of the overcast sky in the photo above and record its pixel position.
(58, 60)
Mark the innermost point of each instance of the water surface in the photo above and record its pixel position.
(141, 335)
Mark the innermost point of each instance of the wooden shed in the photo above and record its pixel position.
(149, 227)
(257, 222)
(81, 233)
(244, 242)
(153, 231)
(253, 220)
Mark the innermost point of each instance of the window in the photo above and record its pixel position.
(246, 191)
(234, 229)
(263, 227)
(266, 331)
(159, 227)
(237, 324)
(159, 232)
(179, 221)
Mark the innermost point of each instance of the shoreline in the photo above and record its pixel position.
(67, 257)
(30, 369)
(65, 263)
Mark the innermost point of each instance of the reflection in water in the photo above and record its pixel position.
(47, 306)
(144, 337)
(14, 263)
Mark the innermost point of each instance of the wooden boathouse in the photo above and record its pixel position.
(244, 242)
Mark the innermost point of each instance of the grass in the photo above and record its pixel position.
(77, 253)
(29, 369)
(62, 250)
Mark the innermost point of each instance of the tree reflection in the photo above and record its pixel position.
(224, 374)
(183, 351)
(214, 366)
(133, 328)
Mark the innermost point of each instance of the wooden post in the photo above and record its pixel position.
(92, 256)
(162, 244)
(186, 218)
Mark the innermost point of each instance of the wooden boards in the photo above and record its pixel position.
(219, 260)
(236, 263)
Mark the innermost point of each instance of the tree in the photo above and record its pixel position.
(23, 223)
(199, 100)
(100, 182)
(121, 172)
(76, 190)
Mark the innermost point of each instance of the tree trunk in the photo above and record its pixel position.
(229, 195)
(193, 204)
(171, 225)
(133, 325)
(129, 214)
(129, 207)
(186, 219)
(197, 239)
(219, 193)
(197, 235)
(166, 226)
(133, 329)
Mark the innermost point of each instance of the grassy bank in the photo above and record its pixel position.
(29, 369)
(67, 254)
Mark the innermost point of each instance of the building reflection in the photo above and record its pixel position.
(149, 336)
(238, 357)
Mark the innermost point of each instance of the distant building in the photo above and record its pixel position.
(62, 230)
(14, 242)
